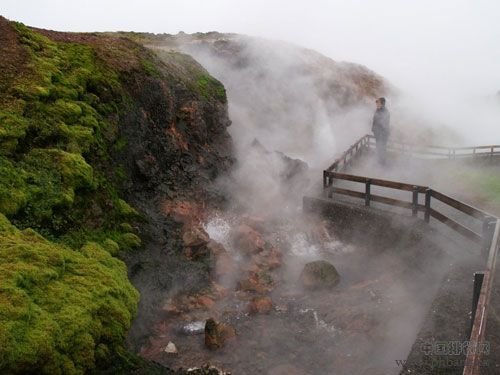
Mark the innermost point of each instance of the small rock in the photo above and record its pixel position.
(260, 305)
(171, 349)
(319, 274)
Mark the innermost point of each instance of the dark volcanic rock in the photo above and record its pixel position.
(318, 275)
(216, 334)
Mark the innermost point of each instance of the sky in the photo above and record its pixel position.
(435, 48)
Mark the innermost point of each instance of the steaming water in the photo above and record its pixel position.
(218, 228)
(194, 328)
(337, 247)
(301, 246)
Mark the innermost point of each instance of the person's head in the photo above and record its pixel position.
(380, 103)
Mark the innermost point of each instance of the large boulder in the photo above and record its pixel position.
(319, 275)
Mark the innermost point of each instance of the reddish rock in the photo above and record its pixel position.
(268, 259)
(247, 240)
(205, 302)
(195, 241)
(182, 212)
(260, 305)
(195, 237)
(256, 282)
(219, 290)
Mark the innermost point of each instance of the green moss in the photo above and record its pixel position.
(59, 308)
(129, 241)
(193, 75)
(13, 189)
(120, 144)
(13, 128)
(56, 121)
(209, 87)
(150, 68)
(111, 246)
(65, 300)
(125, 209)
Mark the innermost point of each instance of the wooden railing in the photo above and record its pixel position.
(343, 161)
(412, 203)
(483, 285)
(489, 236)
(439, 151)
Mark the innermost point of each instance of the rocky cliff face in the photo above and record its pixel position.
(97, 137)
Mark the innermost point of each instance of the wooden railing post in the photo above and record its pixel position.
(368, 184)
(487, 232)
(478, 283)
(414, 209)
(427, 216)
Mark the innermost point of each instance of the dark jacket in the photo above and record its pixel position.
(381, 120)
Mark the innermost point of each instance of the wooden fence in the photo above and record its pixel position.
(438, 152)
(488, 237)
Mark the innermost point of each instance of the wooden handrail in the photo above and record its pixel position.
(465, 208)
(477, 336)
(376, 181)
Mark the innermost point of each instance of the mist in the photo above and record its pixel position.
(301, 81)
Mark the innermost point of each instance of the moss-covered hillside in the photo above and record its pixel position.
(73, 109)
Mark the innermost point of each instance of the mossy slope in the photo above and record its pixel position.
(61, 310)
(65, 300)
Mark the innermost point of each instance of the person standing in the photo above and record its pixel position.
(380, 129)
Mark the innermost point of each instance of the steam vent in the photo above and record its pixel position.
(216, 203)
